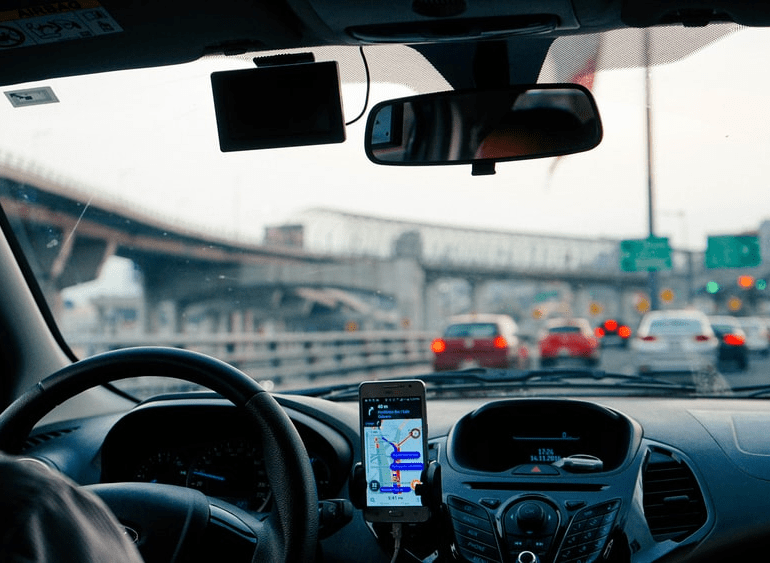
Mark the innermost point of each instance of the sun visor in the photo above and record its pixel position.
(278, 106)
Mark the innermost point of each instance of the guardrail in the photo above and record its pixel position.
(283, 360)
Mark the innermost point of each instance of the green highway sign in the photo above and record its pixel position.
(546, 295)
(645, 255)
(733, 252)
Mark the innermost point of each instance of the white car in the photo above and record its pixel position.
(757, 334)
(675, 341)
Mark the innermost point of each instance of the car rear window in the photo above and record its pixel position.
(471, 330)
(563, 329)
(675, 326)
(751, 327)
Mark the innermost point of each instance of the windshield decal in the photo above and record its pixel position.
(32, 97)
(55, 22)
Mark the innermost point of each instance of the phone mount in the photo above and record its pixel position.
(429, 489)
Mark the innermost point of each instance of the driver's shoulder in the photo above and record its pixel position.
(48, 518)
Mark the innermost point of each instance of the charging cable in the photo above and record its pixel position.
(396, 533)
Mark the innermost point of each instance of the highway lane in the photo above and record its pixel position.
(620, 360)
(617, 360)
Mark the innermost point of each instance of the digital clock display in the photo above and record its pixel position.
(544, 455)
(547, 449)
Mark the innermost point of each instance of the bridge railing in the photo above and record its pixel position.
(282, 360)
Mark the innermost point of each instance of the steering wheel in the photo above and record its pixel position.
(173, 521)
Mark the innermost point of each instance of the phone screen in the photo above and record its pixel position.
(394, 440)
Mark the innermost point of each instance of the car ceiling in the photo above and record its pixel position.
(162, 32)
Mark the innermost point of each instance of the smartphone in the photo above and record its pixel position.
(394, 434)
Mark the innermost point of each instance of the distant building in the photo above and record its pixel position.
(285, 235)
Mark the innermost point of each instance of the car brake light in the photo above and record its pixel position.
(702, 338)
(438, 345)
(624, 331)
(611, 325)
(599, 332)
(500, 342)
(733, 339)
(648, 338)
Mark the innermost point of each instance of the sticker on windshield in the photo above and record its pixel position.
(32, 97)
(55, 22)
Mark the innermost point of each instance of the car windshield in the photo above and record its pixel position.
(311, 266)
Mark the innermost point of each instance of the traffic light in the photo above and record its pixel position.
(761, 284)
(746, 281)
(712, 287)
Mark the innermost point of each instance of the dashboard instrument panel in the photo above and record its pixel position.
(210, 447)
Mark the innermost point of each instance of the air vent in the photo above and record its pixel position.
(43, 437)
(673, 502)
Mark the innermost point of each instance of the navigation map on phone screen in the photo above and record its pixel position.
(393, 450)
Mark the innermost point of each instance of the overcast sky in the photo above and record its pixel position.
(710, 170)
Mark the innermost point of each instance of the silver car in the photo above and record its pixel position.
(675, 341)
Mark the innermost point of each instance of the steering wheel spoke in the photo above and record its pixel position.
(173, 524)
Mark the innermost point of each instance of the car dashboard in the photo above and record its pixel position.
(207, 447)
(518, 479)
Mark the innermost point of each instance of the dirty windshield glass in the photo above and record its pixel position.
(310, 265)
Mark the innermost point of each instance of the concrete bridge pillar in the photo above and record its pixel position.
(161, 315)
(407, 284)
(434, 305)
(582, 299)
(478, 302)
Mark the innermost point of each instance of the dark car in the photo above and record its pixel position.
(612, 332)
(733, 353)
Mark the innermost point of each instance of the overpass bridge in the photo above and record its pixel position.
(391, 272)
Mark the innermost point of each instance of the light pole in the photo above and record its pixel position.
(682, 217)
(684, 248)
(652, 275)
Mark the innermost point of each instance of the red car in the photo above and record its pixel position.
(479, 341)
(568, 339)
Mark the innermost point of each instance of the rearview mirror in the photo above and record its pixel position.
(481, 127)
